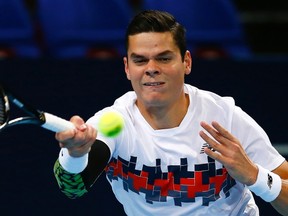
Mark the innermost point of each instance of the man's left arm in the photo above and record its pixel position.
(225, 148)
(281, 202)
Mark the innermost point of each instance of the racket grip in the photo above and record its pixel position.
(56, 124)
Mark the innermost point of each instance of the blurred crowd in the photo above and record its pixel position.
(96, 29)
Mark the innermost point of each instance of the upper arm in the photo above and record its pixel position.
(282, 170)
(97, 161)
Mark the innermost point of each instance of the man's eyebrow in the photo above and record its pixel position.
(135, 55)
(166, 52)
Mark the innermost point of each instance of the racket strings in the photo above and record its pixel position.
(3, 111)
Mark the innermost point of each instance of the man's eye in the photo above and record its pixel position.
(138, 61)
(164, 59)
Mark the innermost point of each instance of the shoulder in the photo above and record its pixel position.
(123, 105)
(126, 99)
(208, 97)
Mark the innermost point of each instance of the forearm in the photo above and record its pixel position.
(75, 176)
(271, 188)
(71, 184)
(281, 202)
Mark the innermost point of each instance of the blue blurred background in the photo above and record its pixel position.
(65, 57)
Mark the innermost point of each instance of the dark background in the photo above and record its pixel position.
(265, 23)
(68, 87)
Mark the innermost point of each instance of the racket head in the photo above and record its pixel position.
(33, 116)
(5, 112)
(4, 108)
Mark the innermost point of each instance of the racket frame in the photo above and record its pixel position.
(36, 117)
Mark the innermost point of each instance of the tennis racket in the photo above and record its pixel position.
(34, 116)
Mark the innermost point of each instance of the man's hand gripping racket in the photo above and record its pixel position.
(34, 116)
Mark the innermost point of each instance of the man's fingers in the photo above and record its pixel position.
(219, 133)
(65, 135)
(224, 132)
(77, 120)
(212, 143)
(214, 133)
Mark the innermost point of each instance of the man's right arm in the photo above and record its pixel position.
(74, 182)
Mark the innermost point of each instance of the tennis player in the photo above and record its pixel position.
(183, 150)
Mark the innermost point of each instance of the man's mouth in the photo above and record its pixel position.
(153, 83)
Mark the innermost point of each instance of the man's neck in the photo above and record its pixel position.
(167, 116)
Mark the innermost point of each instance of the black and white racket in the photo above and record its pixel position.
(34, 116)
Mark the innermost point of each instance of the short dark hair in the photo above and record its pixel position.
(157, 21)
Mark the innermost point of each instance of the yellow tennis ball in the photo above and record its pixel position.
(111, 124)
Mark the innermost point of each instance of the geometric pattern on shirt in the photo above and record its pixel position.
(182, 185)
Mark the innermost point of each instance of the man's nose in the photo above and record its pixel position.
(152, 68)
(152, 73)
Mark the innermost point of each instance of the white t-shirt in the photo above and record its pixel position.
(164, 172)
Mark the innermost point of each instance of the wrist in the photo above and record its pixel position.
(267, 186)
(77, 154)
(72, 164)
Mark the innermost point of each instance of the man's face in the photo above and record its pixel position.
(155, 68)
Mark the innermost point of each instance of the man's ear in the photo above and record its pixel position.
(125, 61)
(188, 62)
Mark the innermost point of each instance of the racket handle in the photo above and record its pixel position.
(56, 124)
